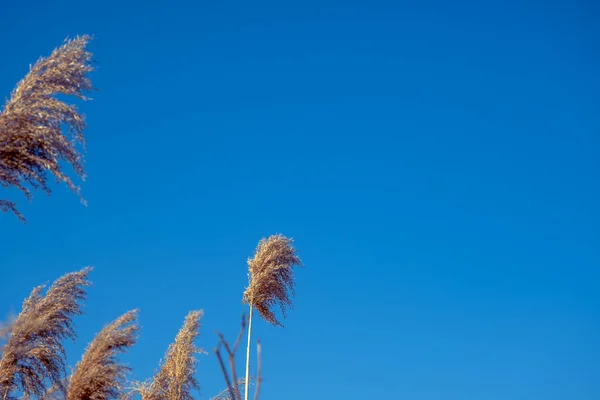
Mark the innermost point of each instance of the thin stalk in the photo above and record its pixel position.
(259, 376)
(246, 385)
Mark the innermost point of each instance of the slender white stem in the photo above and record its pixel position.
(247, 382)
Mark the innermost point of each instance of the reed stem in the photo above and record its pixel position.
(246, 383)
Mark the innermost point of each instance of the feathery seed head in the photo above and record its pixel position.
(271, 277)
(32, 141)
(175, 380)
(99, 376)
(34, 354)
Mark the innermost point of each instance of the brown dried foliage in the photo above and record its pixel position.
(99, 375)
(175, 380)
(34, 354)
(32, 141)
(271, 277)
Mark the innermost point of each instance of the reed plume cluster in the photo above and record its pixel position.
(32, 139)
(34, 354)
(39, 134)
(33, 360)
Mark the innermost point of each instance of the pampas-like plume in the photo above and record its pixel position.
(32, 141)
(34, 353)
(175, 380)
(99, 376)
(271, 279)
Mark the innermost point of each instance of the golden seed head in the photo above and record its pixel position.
(99, 375)
(34, 354)
(271, 277)
(32, 139)
(176, 378)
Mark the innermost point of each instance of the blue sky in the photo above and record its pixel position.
(436, 163)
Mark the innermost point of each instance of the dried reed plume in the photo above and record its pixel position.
(271, 277)
(271, 280)
(34, 354)
(32, 141)
(99, 376)
(175, 380)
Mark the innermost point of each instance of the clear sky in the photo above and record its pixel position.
(435, 162)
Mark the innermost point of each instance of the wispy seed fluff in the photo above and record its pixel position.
(271, 277)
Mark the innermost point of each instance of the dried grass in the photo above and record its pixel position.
(32, 141)
(32, 363)
(271, 277)
(176, 379)
(34, 354)
(99, 376)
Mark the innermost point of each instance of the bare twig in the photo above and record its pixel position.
(259, 373)
(234, 389)
(231, 358)
(225, 373)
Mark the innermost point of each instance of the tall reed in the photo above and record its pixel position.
(271, 283)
